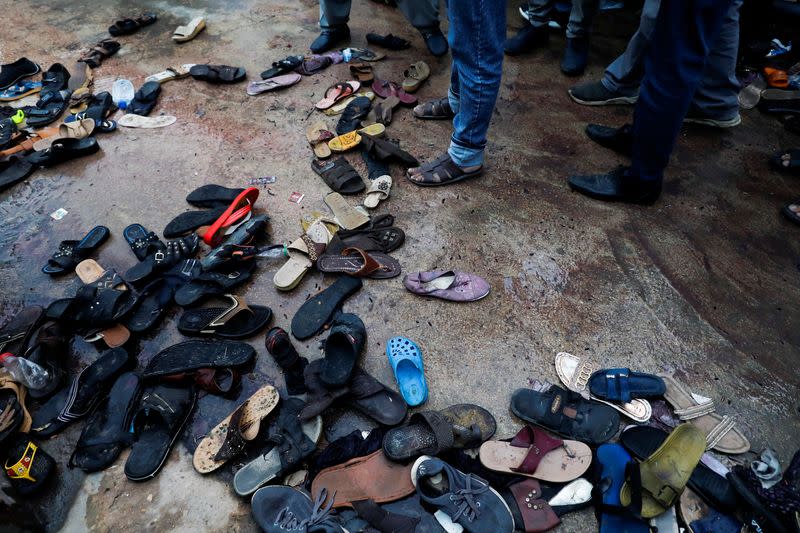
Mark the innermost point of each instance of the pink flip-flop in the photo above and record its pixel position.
(338, 92)
(385, 89)
(270, 84)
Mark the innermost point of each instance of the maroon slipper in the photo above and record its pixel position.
(385, 89)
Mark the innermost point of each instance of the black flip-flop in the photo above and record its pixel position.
(15, 333)
(145, 99)
(342, 348)
(218, 73)
(106, 433)
(282, 67)
(212, 195)
(77, 401)
(206, 284)
(320, 308)
(193, 355)
(70, 253)
(151, 306)
(161, 416)
(129, 26)
(238, 321)
(191, 220)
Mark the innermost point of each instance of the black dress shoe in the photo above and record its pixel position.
(618, 185)
(435, 41)
(330, 37)
(528, 39)
(13, 72)
(618, 139)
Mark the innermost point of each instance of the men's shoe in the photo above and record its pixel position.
(330, 37)
(732, 122)
(280, 509)
(13, 72)
(619, 185)
(528, 39)
(576, 56)
(460, 499)
(435, 41)
(595, 93)
(618, 139)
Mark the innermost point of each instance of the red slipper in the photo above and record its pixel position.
(385, 89)
(236, 212)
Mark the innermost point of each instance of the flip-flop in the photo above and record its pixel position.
(212, 195)
(270, 84)
(414, 76)
(405, 357)
(343, 143)
(131, 120)
(340, 106)
(347, 216)
(238, 321)
(20, 90)
(377, 191)
(359, 263)
(574, 372)
(303, 254)
(153, 303)
(318, 310)
(70, 253)
(535, 453)
(385, 89)
(196, 354)
(229, 437)
(336, 93)
(189, 221)
(612, 463)
(188, 32)
(236, 212)
(318, 136)
(171, 73)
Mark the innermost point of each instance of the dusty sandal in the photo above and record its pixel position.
(441, 171)
(318, 136)
(238, 321)
(188, 32)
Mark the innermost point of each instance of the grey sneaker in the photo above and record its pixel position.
(732, 122)
(595, 93)
(461, 499)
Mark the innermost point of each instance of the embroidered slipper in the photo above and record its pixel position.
(270, 84)
(70, 253)
(188, 32)
(236, 212)
(318, 136)
(229, 437)
(377, 191)
(171, 73)
(336, 93)
(239, 321)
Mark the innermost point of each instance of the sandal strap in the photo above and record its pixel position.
(238, 305)
(538, 444)
(370, 264)
(718, 433)
(441, 427)
(234, 441)
(696, 411)
(22, 468)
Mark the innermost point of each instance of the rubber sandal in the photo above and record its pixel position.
(282, 67)
(63, 150)
(721, 433)
(358, 263)
(17, 332)
(88, 388)
(161, 416)
(196, 354)
(613, 461)
(318, 310)
(623, 385)
(365, 54)
(472, 424)
(199, 284)
(28, 467)
(388, 41)
(341, 349)
(129, 26)
(654, 485)
(238, 209)
(535, 453)
(344, 143)
(14, 415)
(346, 216)
(427, 432)
(385, 89)
(95, 56)
(188, 32)
(290, 444)
(575, 372)
(189, 221)
(336, 93)
(212, 195)
(20, 90)
(70, 253)
(239, 321)
(339, 175)
(353, 115)
(377, 191)
(153, 303)
(386, 150)
(303, 254)
(229, 437)
(339, 107)
(643, 441)
(362, 72)
(171, 73)
(372, 477)
(318, 136)
(405, 358)
(414, 76)
(144, 100)
(132, 120)
(218, 73)
(312, 64)
(105, 434)
(81, 78)
(163, 258)
(270, 84)
(566, 413)
(382, 112)
(73, 130)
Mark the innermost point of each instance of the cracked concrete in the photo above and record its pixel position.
(705, 284)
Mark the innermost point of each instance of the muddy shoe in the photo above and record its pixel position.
(461, 499)
(281, 509)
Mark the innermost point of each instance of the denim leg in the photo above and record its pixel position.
(333, 12)
(453, 95)
(477, 34)
(539, 12)
(581, 18)
(422, 14)
(718, 94)
(625, 73)
(674, 64)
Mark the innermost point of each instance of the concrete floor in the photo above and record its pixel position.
(705, 284)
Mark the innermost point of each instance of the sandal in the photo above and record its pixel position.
(441, 171)
(318, 136)
(48, 347)
(188, 32)
(388, 41)
(171, 73)
(358, 263)
(313, 64)
(382, 239)
(385, 89)
(162, 414)
(405, 358)
(336, 93)
(612, 464)
(129, 26)
(229, 437)
(14, 415)
(132, 120)
(535, 453)
(339, 175)
(363, 54)
(414, 76)
(63, 150)
(270, 84)
(786, 161)
(199, 285)
(81, 79)
(15, 333)
(792, 211)
(235, 213)
(152, 305)
(377, 191)
(355, 112)
(317, 311)
(20, 90)
(303, 254)
(346, 216)
(220, 381)
(144, 100)
(362, 72)
(79, 129)
(282, 67)
(27, 466)
(193, 355)
(344, 143)
(386, 150)
(103, 50)
(143, 243)
(70, 253)
(341, 349)
(213, 196)
(435, 110)
(239, 321)
(218, 73)
(163, 258)
(382, 112)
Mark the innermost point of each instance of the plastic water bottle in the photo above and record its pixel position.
(122, 92)
(25, 372)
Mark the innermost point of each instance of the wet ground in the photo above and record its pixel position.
(704, 284)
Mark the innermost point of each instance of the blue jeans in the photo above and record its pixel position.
(581, 15)
(682, 43)
(477, 34)
(717, 95)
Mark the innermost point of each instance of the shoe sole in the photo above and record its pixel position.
(619, 100)
(710, 122)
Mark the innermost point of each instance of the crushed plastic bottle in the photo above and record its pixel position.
(25, 372)
(122, 92)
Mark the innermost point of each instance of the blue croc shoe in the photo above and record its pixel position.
(406, 360)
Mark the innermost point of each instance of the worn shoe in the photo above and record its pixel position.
(528, 39)
(342, 348)
(618, 139)
(618, 185)
(330, 37)
(279, 509)
(461, 499)
(576, 56)
(695, 118)
(13, 72)
(595, 93)
(435, 41)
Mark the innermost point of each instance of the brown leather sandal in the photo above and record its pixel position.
(102, 50)
(435, 110)
(358, 263)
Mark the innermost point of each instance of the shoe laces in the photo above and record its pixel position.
(465, 501)
(286, 519)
